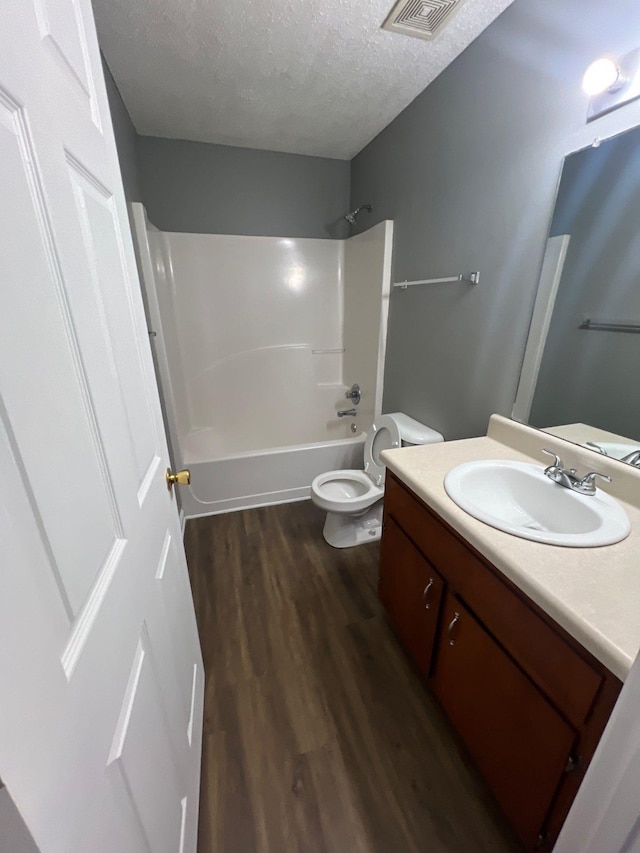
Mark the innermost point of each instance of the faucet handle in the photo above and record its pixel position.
(558, 463)
(588, 481)
(597, 447)
(353, 393)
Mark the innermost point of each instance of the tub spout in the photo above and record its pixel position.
(347, 413)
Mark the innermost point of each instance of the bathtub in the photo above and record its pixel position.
(260, 477)
(256, 341)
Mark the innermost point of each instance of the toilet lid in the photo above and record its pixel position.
(384, 435)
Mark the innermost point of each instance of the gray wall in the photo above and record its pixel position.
(126, 137)
(219, 189)
(468, 172)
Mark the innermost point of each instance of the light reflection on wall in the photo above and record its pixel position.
(297, 278)
(295, 275)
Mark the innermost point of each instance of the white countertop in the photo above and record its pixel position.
(593, 593)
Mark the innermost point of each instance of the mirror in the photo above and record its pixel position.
(579, 377)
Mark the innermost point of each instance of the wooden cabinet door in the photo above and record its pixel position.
(411, 591)
(518, 741)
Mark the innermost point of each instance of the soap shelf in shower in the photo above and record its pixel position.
(470, 278)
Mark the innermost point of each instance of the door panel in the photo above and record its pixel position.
(107, 276)
(62, 31)
(180, 680)
(31, 395)
(142, 757)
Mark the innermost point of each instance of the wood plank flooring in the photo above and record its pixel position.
(319, 736)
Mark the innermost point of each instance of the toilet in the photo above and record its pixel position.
(353, 499)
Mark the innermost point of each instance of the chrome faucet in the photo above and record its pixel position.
(632, 458)
(347, 413)
(596, 447)
(569, 478)
(353, 394)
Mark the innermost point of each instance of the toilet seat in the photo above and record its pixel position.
(353, 491)
(347, 490)
(384, 435)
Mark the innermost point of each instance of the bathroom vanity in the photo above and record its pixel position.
(485, 620)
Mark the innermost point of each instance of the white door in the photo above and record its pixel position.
(101, 678)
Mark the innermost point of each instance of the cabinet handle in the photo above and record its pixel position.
(452, 625)
(425, 594)
(573, 763)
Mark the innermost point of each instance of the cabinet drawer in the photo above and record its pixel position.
(517, 739)
(560, 671)
(411, 591)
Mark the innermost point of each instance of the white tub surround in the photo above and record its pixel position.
(259, 325)
(593, 593)
(256, 341)
(367, 272)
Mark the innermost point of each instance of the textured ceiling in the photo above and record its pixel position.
(304, 76)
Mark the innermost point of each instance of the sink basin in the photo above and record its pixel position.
(518, 498)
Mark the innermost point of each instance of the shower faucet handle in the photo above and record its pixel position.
(353, 394)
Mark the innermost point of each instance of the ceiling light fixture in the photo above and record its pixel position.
(601, 76)
(611, 82)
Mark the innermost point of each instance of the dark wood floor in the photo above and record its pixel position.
(319, 736)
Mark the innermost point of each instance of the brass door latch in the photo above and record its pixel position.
(182, 478)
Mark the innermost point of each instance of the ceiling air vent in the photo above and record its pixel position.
(420, 18)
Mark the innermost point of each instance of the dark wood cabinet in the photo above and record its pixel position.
(510, 729)
(411, 591)
(528, 702)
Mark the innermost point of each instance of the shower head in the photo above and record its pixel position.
(352, 217)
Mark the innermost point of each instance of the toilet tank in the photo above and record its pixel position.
(413, 432)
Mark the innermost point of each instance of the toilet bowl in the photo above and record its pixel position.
(353, 499)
